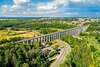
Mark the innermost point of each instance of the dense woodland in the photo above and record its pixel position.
(21, 55)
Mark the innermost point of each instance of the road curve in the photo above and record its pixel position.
(61, 56)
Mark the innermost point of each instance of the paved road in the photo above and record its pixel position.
(61, 56)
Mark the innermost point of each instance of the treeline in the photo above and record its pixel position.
(93, 40)
(10, 40)
(94, 26)
(33, 24)
(80, 55)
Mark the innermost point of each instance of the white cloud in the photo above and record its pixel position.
(61, 2)
(46, 7)
(52, 5)
(20, 2)
(76, 0)
(4, 9)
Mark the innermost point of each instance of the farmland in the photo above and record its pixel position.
(12, 29)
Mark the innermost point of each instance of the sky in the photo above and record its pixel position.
(49, 8)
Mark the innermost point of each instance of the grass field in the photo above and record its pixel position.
(7, 34)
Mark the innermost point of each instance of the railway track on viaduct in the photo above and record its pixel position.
(53, 36)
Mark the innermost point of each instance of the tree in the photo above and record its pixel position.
(25, 65)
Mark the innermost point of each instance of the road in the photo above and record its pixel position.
(61, 56)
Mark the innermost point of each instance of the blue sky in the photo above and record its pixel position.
(49, 8)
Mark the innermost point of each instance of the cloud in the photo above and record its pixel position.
(4, 9)
(46, 7)
(86, 2)
(26, 7)
(52, 5)
(61, 2)
(76, 0)
(20, 2)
